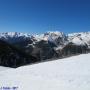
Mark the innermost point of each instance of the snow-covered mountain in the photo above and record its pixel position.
(71, 73)
(19, 49)
(13, 37)
(49, 45)
(80, 38)
(56, 37)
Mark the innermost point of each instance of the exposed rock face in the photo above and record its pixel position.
(11, 56)
(72, 49)
(42, 50)
(17, 49)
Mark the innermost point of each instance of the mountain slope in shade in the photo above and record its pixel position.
(17, 49)
(64, 74)
(11, 56)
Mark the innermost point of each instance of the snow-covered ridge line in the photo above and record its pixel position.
(14, 34)
(78, 33)
(56, 37)
(46, 33)
(81, 38)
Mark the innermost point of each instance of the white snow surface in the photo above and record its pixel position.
(80, 38)
(78, 41)
(71, 73)
(3, 68)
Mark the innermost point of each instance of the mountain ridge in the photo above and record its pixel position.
(47, 36)
(42, 47)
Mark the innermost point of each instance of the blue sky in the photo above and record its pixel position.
(38, 16)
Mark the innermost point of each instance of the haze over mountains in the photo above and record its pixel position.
(17, 49)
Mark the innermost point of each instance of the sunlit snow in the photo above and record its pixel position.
(71, 73)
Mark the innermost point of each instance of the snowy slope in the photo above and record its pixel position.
(3, 68)
(56, 37)
(80, 38)
(65, 74)
(77, 41)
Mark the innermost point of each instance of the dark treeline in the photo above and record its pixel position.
(15, 55)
